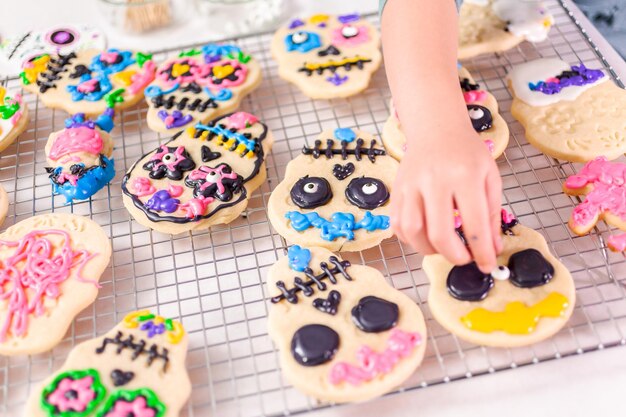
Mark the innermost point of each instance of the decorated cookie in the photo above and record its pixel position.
(79, 156)
(342, 332)
(199, 85)
(498, 25)
(89, 81)
(336, 194)
(569, 112)
(13, 118)
(4, 204)
(137, 369)
(482, 109)
(51, 265)
(200, 177)
(527, 298)
(328, 56)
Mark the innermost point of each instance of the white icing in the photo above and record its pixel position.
(478, 2)
(501, 273)
(370, 188)
(529, 19)
(476, 113)
(540, 70)
(5, 128)
(349, 31)
(299, 37)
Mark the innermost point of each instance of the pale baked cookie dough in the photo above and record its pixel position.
(328, 56)
(482, 108)
(487, 26)
(4, 204)
(572, 112)
(200, 85)
(336, 194)
(56, 261)
(136, 369)
(528, 298)
(342, 332)
(89, 81)
(202, 176)
(13, 118)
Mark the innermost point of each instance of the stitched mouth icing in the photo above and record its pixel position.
(332, 65)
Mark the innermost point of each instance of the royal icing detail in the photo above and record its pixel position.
(340, 224)
(299, 258)
(11, 111)
(530, 20)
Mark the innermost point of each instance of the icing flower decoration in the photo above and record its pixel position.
(181, 71)
(175, 119)
(350, 35)
(226, 73)
(579, 75)
(90, 89)
(169, 162)
(72, 392)
(142, 186)
(219, 182)
(162, 201)
(240, 120)
(155, 325)
(138, 403)
(214, 52)
(336, 79)
(299, 258)
(196, 207)
(302, 41)
(112, 61)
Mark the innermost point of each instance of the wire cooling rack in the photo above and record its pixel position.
(213, 280)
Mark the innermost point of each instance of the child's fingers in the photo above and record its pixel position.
(413, 225)
(494, 200)
(397, 201)
(439, 215)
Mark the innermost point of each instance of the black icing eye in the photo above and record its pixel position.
(311, 192)
(314, 344)
(480, 117)
(530, 269)
(374, 315)
(467, 283)
(349, 31)
(299, 37)
(367, 193)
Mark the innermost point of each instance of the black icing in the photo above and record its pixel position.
(466, 85)
(331, 50)
(328, 305)
(314, 344)
(375, 315)
(310, 192)
(79, 71)
(192, 104)
(530, 269)
(480, 117)
(341, 172)
(208, 187)
(468, 283)
(120, 377)
(55, 66)
(208, 155)
(367, 193)
(137, 347)
(359, 150)
(159, 167)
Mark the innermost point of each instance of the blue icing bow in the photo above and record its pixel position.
(99, 66)
(218, 51)
(340, 225)
(104, 86)
(345, 133)
(88, 184)
(312, 41)
(299, 258)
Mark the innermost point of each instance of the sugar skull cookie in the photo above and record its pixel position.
(200, 85)
(527, 298)
(4, 204)
(498, 25)
(328, 56)
(342, 332)
(13, 118)
(89, 81)
(137, 369)
(336, 194)
(79, 156)
(482, 109)
(200, 177)
(569, 112)
(51, 265)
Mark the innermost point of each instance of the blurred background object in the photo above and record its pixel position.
(241, 16)
(609, 16)
(137, 16)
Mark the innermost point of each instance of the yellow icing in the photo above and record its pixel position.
(38, 65)
(223, 71)
(2, 93)
(179, 69)
(124, 77)
(517, 318)
(313, 66)
(173, 336)
(318, 18)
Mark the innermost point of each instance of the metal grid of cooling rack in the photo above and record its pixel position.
(213, 280)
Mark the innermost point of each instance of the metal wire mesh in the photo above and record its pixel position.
(213, 280)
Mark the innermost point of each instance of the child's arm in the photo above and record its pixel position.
(446, 162)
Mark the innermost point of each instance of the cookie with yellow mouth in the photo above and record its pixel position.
(527, 298)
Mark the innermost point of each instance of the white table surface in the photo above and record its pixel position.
(589, 384)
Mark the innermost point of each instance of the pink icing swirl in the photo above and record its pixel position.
(617, 242)
(359, 38)
(76, 139)
(196, 206)
(240, 71)
(136, 408)
(141, 79)
(80, 387)
(241, 120)
(474, 96)
(142, 186)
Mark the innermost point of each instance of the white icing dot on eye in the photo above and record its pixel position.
(349, 31)
(168, 157)
(311, 188)
(501, 273)
(476, 113)
(370, 188)
(299, 37)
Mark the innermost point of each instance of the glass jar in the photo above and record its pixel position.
(240, 16)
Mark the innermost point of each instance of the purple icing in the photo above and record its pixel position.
(162, 201)
(209, 59)
(78, 120)
(321, 25)
(153, 329)
(176, 119)
(347, 18)
(579, 75)
(296, 23)
(336, 79)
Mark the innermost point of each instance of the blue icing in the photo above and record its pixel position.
(239, 138)
(345, 133)
(299, 258)
(155, 90)
(105, 87)
(88, 184)
(312, 41)
(100, 66)
(213, 49)
(340, 224)
(222, 95)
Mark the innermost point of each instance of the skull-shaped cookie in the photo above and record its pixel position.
(79, 156)
(328, 56)
(137, 369)
(200, 177)
(342, 332)
(527, 298)
(199, 85)
(89, 81)
(482, 109)
(13, 118)
(569, 112)
(51, 265)
(336, 194)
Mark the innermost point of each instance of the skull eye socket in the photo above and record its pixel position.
(302, 41)
(530, 269)
(480, 117)
(314, 344)
(367, 193)
(311, 192)
(375, 315)
(468, 283)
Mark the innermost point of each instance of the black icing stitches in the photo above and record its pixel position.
(138, 348)
(480, 116)
(367, 193)
(375, 315)
(530, 269)
(55, 66)
(197, 104)
(314, 344)
(359, 151)
(311, 192)
(468, 283)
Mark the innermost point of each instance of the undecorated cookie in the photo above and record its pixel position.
(526, 299)
(199, 85)
(487, 26)
(200, 177)
(89, 81)
(482, 109)
(569, 112)
(137, 369)
(342, 332)
(336, 194)
(51, 265)
(13, 118)
(328, 56)
(4, 204)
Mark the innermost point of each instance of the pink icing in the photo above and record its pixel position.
(18, 114)
(196, 206)
(553, 80)
(241, 120)
(241, 71)
(64, 176)
(370, 364)
(136, 408)
(142, 186)
(34, 273)
(617, 242)
(178, 153)
(109, 57)
(175, 190)
(507, 217)
(474, 96)
(490, 145)
(82, 388)
(87, 86)
(203, 174)
(141, 79)
(196, 71)
(76, 139)
(361, 37)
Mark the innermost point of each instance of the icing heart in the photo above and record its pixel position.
(120, 378)
(223, 71)
(179, 69)
(341, 172)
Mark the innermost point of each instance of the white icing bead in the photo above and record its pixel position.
(476, 113)
(370, 188)
(349, 31)
(299, 37)
(501, 273)
(311, 188)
